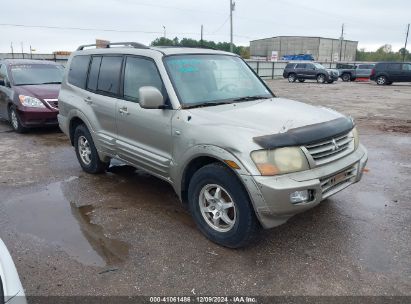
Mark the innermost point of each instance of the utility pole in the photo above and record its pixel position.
(232, 8)
(12, 50)
(202, 31)
(31, 53)
(406, 41)
(164, 31)
(22, 52)
(341, 40)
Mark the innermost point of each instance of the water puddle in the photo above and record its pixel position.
(48, 215)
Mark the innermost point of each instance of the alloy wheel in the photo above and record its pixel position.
(217, 208)
(84, 150)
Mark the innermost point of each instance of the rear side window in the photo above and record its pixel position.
(406, 67)
(301, 66)
(78, 71)
(394, 67)
(93, 74)
(365, 66)
(290, 66)
(109, 77)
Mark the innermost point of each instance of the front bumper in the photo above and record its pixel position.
(271, 195)
(33, 117)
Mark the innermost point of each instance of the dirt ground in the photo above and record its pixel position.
(125, 233)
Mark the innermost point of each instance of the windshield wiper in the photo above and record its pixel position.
(248, 98)
(206, 104)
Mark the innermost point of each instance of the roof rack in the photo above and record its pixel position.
(188, 47)
(135, 45)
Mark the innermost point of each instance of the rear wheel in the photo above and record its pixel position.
(301, 80)
(346, 77)
(320, 78)
(86, 151)
(292, 77)
(221, 207)
(382, 80)
(15, 120)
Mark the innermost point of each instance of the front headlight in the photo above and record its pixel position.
(32, 102)
(356, 138)
(280, 161)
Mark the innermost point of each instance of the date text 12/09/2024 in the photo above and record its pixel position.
(203, 299)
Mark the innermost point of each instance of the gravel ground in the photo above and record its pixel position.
(125, 233)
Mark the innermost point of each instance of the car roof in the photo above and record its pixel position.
(28, 61)
(144, 50)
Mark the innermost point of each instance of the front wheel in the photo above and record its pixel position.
(346, 77)
(221, 207)
(86, 151)
(292, 78)
(301, 80)
(15, 120)
(330, 81)
(382, 80)
(321, 78)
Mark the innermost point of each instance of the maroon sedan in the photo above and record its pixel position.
(29, 91)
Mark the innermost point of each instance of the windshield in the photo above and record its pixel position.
(32, 74)
(210, 79)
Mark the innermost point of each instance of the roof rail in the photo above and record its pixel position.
(135, 45)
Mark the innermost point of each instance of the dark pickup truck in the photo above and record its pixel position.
(352, 72)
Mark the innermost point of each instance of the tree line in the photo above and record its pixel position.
(243, 51)
(383, 53)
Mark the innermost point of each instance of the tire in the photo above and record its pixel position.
(88, 156)
(321, 78)
(15, 121)
(389, 83)
(242, 225)
(330, 81)
(301, 80)
(381, 80)
(346, 77)
(292, 77)
(2, 298)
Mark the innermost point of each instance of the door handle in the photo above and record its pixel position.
(88, 100)
(123, 110)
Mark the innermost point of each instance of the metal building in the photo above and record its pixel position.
(322, 49)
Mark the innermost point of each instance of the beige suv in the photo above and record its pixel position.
(237, 156)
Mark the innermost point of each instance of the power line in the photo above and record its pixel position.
(221, 26)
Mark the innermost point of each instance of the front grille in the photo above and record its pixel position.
(337, 182)
(332, 149)
(53, 103)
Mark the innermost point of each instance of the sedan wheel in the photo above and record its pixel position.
(217, 208)
(15, 120)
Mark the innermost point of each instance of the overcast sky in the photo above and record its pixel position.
(371, 22)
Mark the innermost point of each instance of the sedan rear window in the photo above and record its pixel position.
(35, 74)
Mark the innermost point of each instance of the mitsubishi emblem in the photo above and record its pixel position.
(336, 146)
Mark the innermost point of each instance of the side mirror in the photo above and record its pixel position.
(2, 83)
(150, 98)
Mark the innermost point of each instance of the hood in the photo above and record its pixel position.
(262, 117)
(41, 91)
